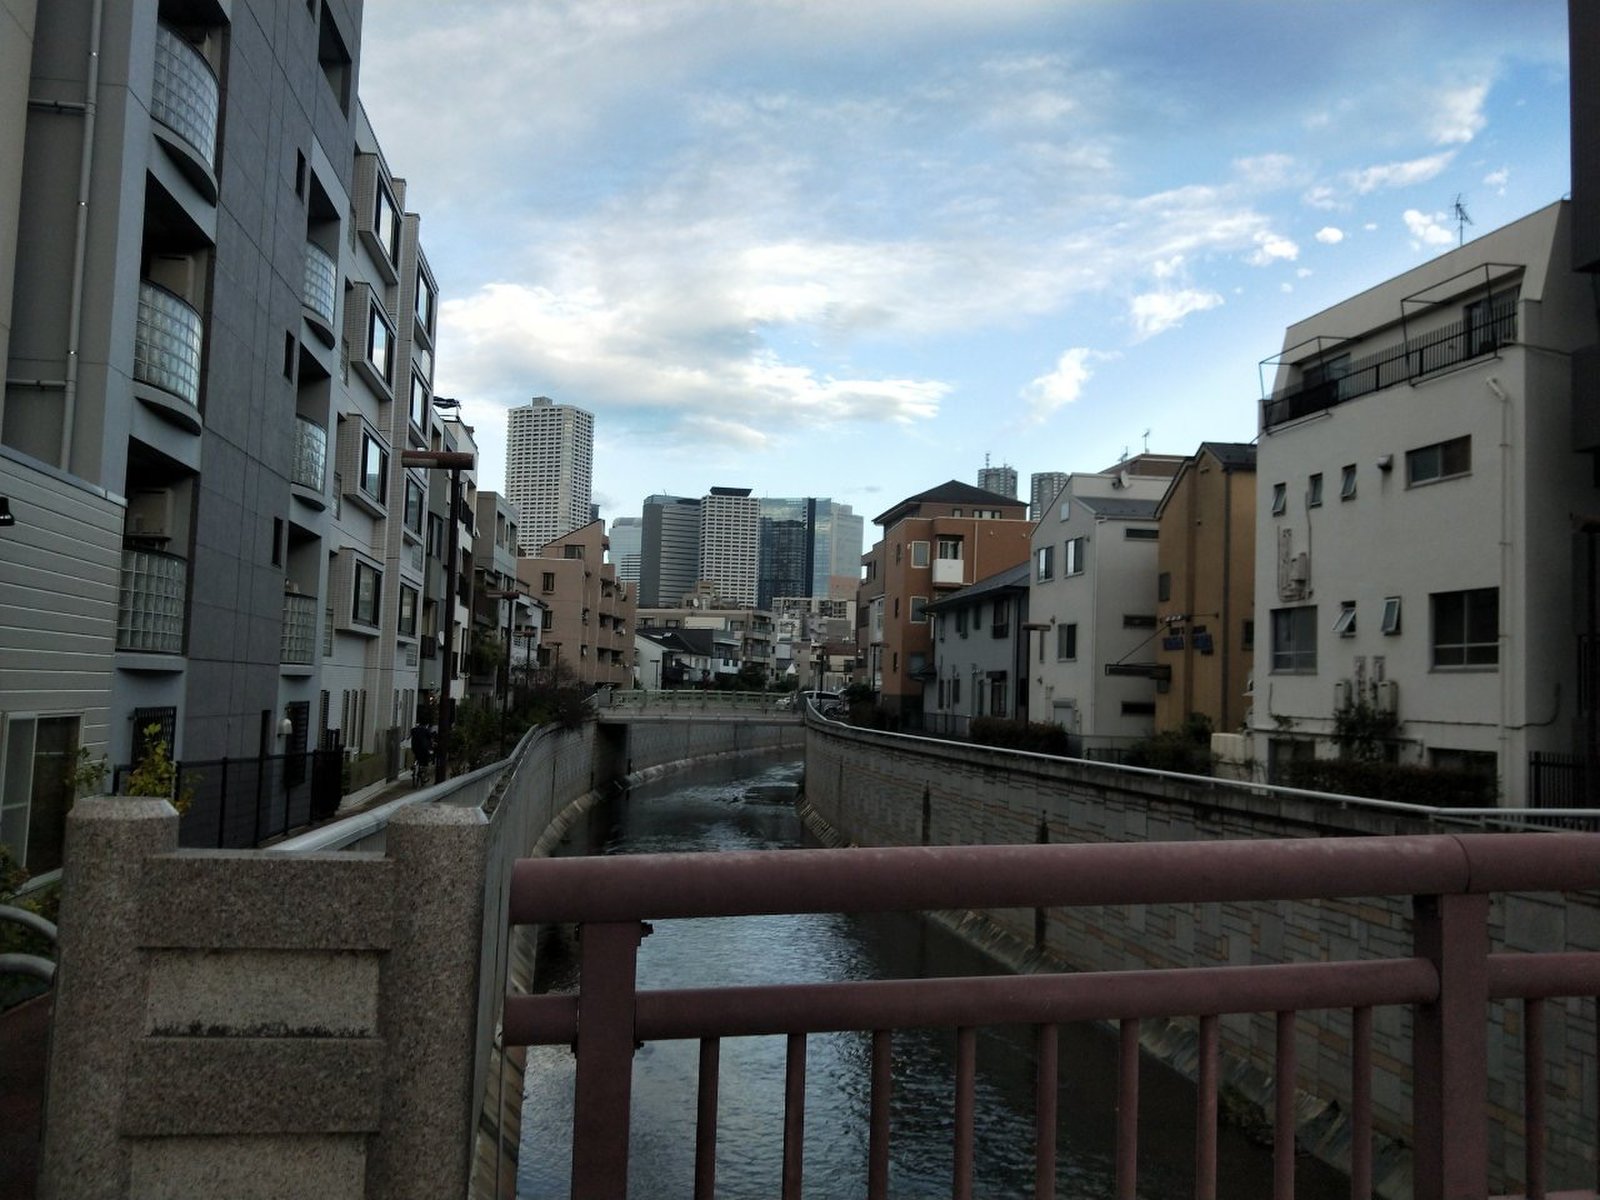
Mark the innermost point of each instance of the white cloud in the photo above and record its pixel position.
(1428, 230)
(1321, 196)
(1498, 179)
(1303, 273)
(1270, 248)
(1286, 288)
(1330, 235)
(1061, 386)
(1156, 312)
(1399, 174)
(1266, 170)
(1458, 114)
(1370, 226)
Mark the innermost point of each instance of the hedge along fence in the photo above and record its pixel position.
(1392, 781)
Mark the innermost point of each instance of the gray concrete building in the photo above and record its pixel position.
(211, 297)
(669, 557)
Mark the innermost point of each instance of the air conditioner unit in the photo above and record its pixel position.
(1300, 569)
(291, 588)
(150, 514)
(1342, 691)
(1386, 696)
(175, 272)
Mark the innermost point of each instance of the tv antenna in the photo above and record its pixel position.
(1147, 441)
(1462, 220)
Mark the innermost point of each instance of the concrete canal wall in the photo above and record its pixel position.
(874, 788)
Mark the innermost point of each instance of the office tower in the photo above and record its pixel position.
(669, 552)
(627, 543)
(730, 543)
(210, 383)
(837, 561)
(1001, 480)
(1044, 486)
(549, 458)
(787, 548)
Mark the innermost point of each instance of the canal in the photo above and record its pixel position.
(749, 805)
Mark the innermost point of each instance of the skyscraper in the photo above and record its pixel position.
(1001, 480)
(730, 543)
(549, 458)
(1044, 486)
(669, 552)
(627, 541)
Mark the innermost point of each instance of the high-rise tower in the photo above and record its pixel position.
(1044, 486)
(549, 460)
(730, 543)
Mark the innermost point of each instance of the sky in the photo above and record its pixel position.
(850, 248)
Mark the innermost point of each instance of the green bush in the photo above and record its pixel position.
(1186, 750)
(1037, 737)
(1390, 781)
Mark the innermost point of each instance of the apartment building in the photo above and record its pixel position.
(211, 299)
(933, 543)
(549, 469)
(1425, 543)
(752, 632)
(730, 544)
(502, 611)
(1205, 588)
(1093, 602)
(588, 617)
(980, 653)
(1001, 480)
(1043, 487)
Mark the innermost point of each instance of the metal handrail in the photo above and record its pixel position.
(34, 965)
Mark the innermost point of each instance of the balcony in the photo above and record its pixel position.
(150, 606)
(299, 636)
(167, 338)
(186, 103)
(310, 465)
(947, 572)
(1483, 331)
(319, 289)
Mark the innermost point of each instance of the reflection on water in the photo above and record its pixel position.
(749, 806)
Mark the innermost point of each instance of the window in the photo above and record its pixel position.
(897, 549)
(1294, 640)
(1391, 615)
(408, 611)
(1066, 642)
(1344, 625)
(977, 615)
(1466, 628)
(1314, 491)
(1164, 586)
(36, 788)
(425, 303)
(1066, 508)
(955, 690)
(919, 615)
(1247, 634)
(1138, 620)
(997, 694)
(1347, 482)
(919, 554)
(374, 467)
(547, 581)
(1000, 619)
(547, 618)
(1140, 533)
(1479, 320)
(414, 498)
(950, 548)
(380, 344)
(1046, 556)
(277, 541)
(1075, 556)
(1280, 498)
(961, 621)
(1442, 460)
(572, 552)
(419, 401)
(1138, 708)
(368, 595)
(897, 608)
(386, 222)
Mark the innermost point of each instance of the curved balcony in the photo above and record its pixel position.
(166, 345)
(319, 289)
(186, 101)
(150, 604)
(299, 637)
(310, 466)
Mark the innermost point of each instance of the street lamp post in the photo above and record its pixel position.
(511, 596)
(454, 461)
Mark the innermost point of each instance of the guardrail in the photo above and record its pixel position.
(698, 700)
(1446, 982)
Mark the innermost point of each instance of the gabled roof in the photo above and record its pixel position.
(1011, 579)
(951, 492)
(1121, 507)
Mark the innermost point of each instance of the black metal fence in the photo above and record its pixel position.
(1561, 781)
(241, 803)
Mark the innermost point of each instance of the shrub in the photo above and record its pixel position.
(1392, 781)
(155, 774)
(1038, 737)
(1186, 750)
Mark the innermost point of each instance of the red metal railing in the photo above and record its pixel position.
(1448, 981)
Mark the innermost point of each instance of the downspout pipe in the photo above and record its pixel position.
(91, 94)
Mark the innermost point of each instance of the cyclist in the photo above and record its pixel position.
(421, 752)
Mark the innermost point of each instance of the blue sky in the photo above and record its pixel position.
(848, 247)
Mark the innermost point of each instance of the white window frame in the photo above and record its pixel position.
(1347, 482)
(1314, 490)
(1073, 556)
(919, 554)
(1280, 499)
(1390, 624)
(1344, 625)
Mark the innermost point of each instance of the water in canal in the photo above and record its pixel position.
(748, 805)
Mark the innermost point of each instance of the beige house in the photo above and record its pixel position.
(588, 618)
(1205, 588)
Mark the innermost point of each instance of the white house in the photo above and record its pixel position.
(1092, 602)
(1417, 505)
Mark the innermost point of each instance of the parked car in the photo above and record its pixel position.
(828, 703)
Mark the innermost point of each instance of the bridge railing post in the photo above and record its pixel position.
(1450, 1054)
(603, 1097)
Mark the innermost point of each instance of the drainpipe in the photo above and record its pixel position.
(1227, 596)
(1504, 671)
(91, 90)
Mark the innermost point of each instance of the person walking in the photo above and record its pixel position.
(421, 752)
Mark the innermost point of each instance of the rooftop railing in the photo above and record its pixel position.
(1447, 982)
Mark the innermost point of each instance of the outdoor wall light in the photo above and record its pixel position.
(6, 518)
(1386, 463)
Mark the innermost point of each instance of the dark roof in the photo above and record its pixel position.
(952, 492)
(1233, 455)
(1120, 506)
(1011, 578)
